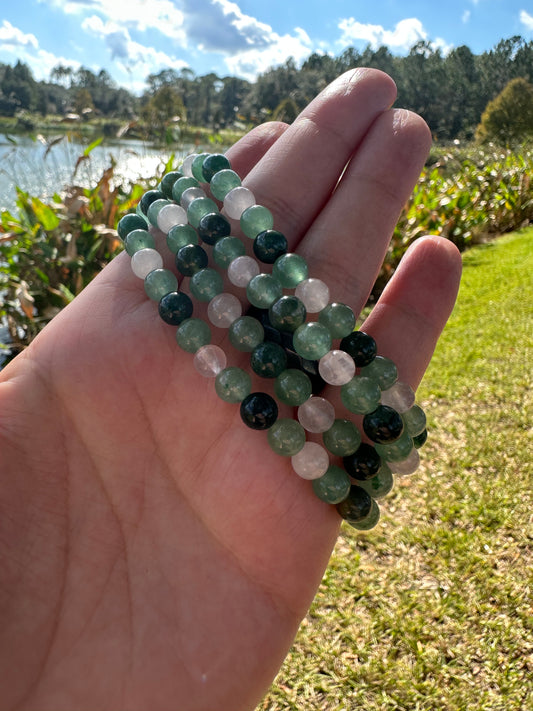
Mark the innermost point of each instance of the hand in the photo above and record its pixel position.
(155, 554)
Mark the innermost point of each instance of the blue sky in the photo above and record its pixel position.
(132, 38)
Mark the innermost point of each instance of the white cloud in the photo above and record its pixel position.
(466, 16)
(14, 37)
(527, 20)
(405, 34)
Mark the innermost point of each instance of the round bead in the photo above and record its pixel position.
(360, 395)
(400, 396)
(189, 196)
(198, 208)
(408, 465)
(290, 269)
(154, 210)
(160, 282)
(383, 425)
(144, 261)
(312, 340)
(363, 463)
(420, 439)
(316, 415)
(226, 250)
(293, 387)
(269, 245)
(197, 165)
(356, 506)
(223, 309)
(342, 438)
(314, 294)
(311, 462)
(246, 333)
(148, 198)
(137, 240)
(415, 420)
(286, 437)
(223, 182)
(179, 236)
(259, 411)
(382, 370)
(213, 227)
(241, 270)
(181, 185)
(263, 290)
(380, 484)
(287, 314)
(206, 284)
(339, 319)
(175, 307)
(396, 451)
(129, 223)
(213, 164)
(369, 521)
(360, 346)
(256, 219)
(333, 486)
(233, 384)
(167, 182)
(237, 201)
(169, 216)
(192, 334)
(336, 367)
(209, 361)
(268, 360)
(190, 259)
(186, 166)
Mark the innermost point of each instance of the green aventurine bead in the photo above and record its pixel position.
(415, 420)
(382, 370)
(287, 313)
(334, 486)
(129, 223)
(167, 182)
(360, 395)
(233, 384)
(196, 167)
(293, 387)
(137, 240)
(181, 185)
(223, 182)
(380, 484)
(213, 164)
(200, 207)
(268, 360)
(256, 219)
(263, 290)
(206, 284)
(226, 250)
(154, 209)
(312, 341)
(290, 269)
(339, 319)
(193, 334)
(160, 282)
(245, 333)
(396, 451)
(369, 521)
(180, 236)
(286, 437)
(342, 438)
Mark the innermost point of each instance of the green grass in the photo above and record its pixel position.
(433, 608)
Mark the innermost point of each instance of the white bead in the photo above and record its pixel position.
(209, 360)
(242, 269)
(186, 167)
(400, 396)
(237, 201)
(311, 462)
(314, 294)
(189, 195)
(169, 216)
(316, 415)
(336, 367)
(406, 466)
(223, 310)
(146, 260)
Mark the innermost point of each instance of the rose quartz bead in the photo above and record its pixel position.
(189, 195)
(223, 310)
(311, 462)
(406, 466)
(237, 201)
(169, 216)
(336, 367)
(316, 415)
(209, 360)
(400, 396)
(314, 294)
(242, 269)
(186, 167)
(146, 260)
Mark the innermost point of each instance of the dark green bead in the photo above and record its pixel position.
(179, 236)
(259, 411)
(383, 425)
(369, 521)
(420, 439)
(263, 290)
(256, 219)
(214, 164)
(360, 395)
(286, 437)
(137, 240)
(181, 185)
(364, 463)
(226, 250)
(197, 167)
(129, 223)
(245, 333)
(339, 319)
(342, 438)
(190, 259)
(312, 340)
(167, 182)
(175, 307)
(213, 227)
(360, 346)
(380, 484)
(192, 334)
(268, 360)
(290, 269)
(206, 284)
(148, 198)
(333, 486)
(269, 245)
(287, 314)
(382, 370)
(356, 506)
(293, 387)
(233, 384)
(160, 282)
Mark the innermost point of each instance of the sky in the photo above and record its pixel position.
(133, 38)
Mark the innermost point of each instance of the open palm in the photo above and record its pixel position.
(155, 554)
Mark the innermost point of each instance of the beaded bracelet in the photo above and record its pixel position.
(276, 333)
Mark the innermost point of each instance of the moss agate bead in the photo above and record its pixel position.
(190, 259)
(181, 185)
(293, 387)
(360, 395)
(286, 437)
(167, 182)
(380, 484)
(312, 341)
(356, 506)
(179, 236)
(148, 198)
(398, 450)
(287, 314)
(263, 290)
(256, 219)
(342, 438)
(160, 282)
(192, 334)
(334, 486)
(206, 284)
(382, 370)
(290, 269)
(233, 384)
(269, 245)
(223, 182)
(383, 425)
(213, 227)
(175, 307)
(138, 239)
(268, 360)
(369, 521)
(129, 223)
(213, 164)
(259, 411)
(339, 319)
(226, 250)
(246, 333)
(360, 346)
(364, 463)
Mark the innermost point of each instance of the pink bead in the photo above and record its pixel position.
(209, 360)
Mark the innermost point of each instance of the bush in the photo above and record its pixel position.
(508, 119)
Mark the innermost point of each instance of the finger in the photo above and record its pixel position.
(414, 307)
(347, 243)
(244, 154)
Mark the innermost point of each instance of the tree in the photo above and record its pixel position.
(162, 107)
(509, 117)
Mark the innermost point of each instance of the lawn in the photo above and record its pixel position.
(433, 609)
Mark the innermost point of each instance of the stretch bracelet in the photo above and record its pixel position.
(286, 347)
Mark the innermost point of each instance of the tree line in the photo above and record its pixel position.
(450, 91)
